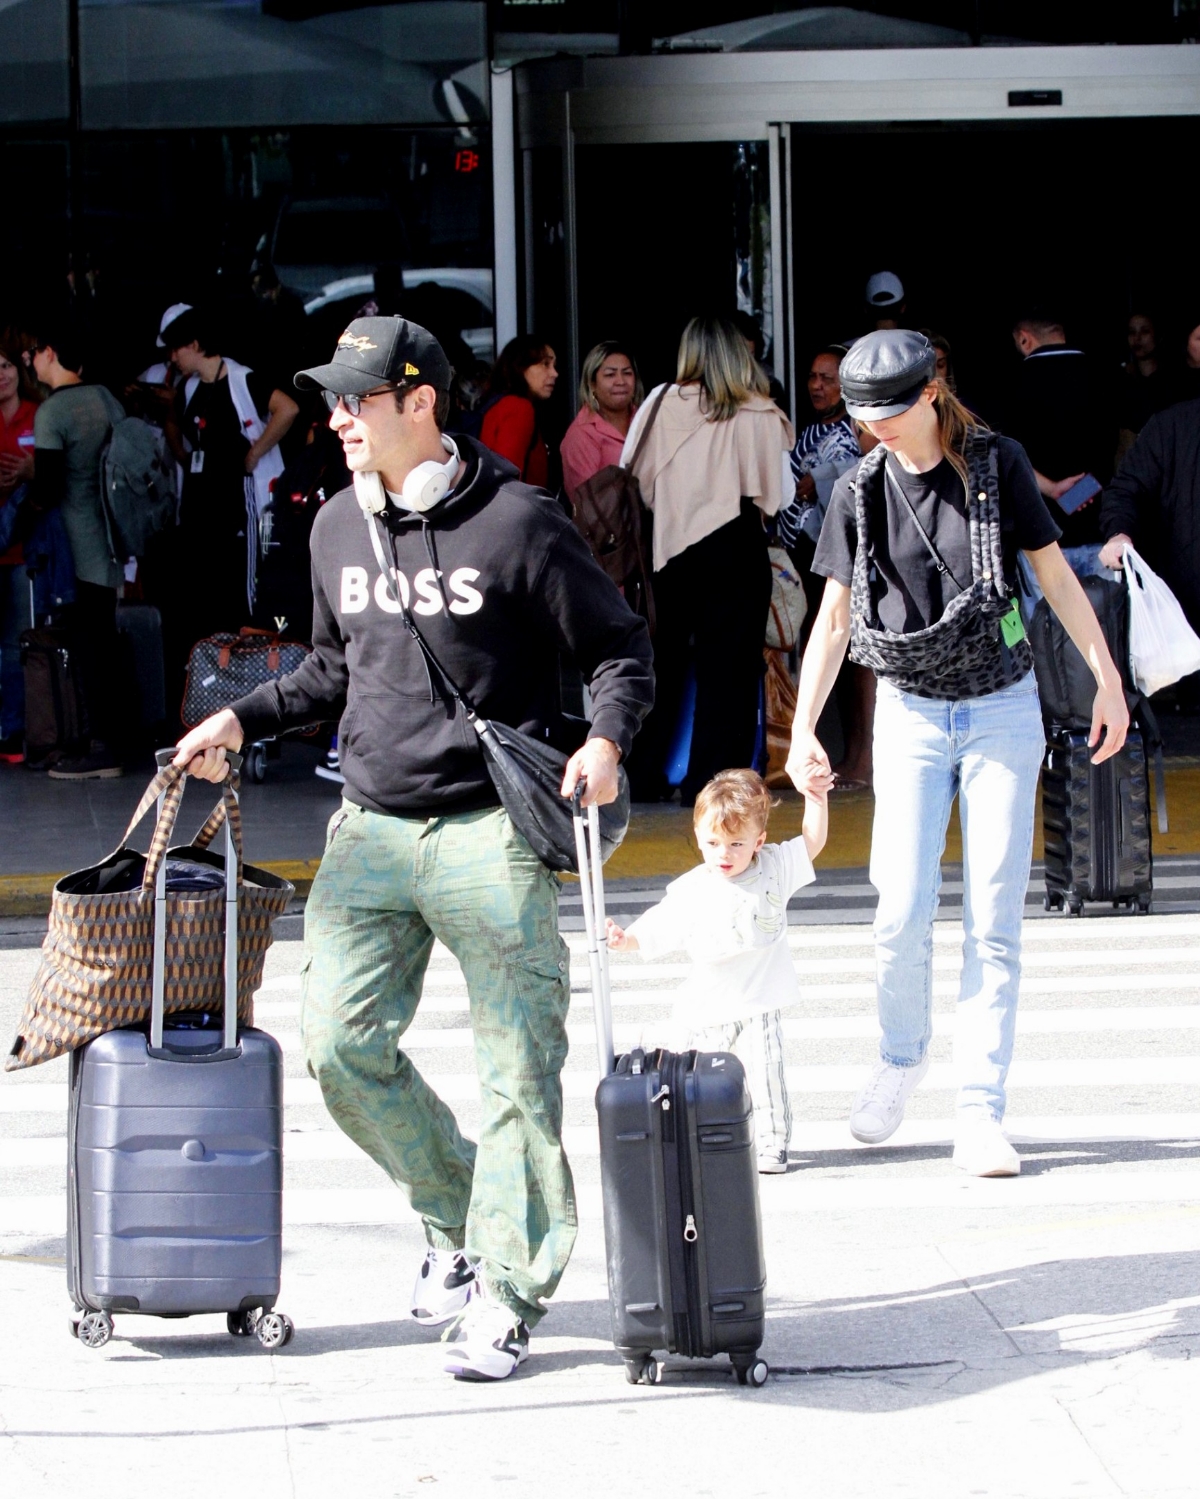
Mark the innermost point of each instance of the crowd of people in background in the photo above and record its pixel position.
(721, 471)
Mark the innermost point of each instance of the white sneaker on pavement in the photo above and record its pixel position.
(772, 1162)
(981, 1148)
(443, 1286)
(879, 1107)
(493, 1340)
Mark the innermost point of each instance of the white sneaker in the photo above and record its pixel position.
(981, 1149)
(879, 1107)
(772, 1162)
(443, 1286)
(493, 1339)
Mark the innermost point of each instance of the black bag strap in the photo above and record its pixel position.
(938, 559)
(410, 623)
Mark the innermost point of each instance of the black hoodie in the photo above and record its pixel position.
(522, 590)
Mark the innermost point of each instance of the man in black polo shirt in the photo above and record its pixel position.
(1061, 414)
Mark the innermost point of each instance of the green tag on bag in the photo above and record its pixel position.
(1012, 626)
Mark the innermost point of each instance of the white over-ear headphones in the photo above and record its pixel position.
(425, 485)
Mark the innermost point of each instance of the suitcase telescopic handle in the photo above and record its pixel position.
(591, 890)
(229, 1046)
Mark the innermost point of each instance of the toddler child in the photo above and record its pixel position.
(730, 917)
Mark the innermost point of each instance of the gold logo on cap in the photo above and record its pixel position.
(411, 369)
(361, 342)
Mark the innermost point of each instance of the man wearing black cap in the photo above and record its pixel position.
(500, 583)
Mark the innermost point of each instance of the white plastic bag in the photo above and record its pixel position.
(1162, 645)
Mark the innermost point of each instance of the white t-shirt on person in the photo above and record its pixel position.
(735, 933)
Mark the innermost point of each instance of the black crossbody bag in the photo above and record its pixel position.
(526, 772)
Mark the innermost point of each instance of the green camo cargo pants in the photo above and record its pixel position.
(387, 886)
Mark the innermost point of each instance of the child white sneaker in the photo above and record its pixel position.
(772, 1162)
(879, 1107)
(493, 1339)
(443, 1285)
(981, 1149)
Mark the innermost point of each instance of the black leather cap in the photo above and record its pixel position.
(376, 351)
(885, 372)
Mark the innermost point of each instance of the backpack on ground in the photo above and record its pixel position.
(137, 479)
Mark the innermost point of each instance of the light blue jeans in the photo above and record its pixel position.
(988, 751)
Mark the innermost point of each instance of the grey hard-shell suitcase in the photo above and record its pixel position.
(682, 1230)
(175, 1162)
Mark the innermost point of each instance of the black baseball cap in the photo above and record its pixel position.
(885, 372)
(376, 351)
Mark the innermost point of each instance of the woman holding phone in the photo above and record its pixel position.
(919, 549)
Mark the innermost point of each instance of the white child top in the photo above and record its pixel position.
(735, 933)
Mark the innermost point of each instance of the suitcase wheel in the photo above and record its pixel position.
(274, 1330)
(753, 1372)
(643, 1370)
(94, 1329)
(242, 1324)
(1143, 904)
(254, 763)
(1076, 907)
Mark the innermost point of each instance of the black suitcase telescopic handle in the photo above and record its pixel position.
(591, 890)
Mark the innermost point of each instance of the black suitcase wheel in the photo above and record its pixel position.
(242, 1324)
(274, 1330)
(254, 763)
(634, 1369)
(757, 1373)
(1143, 904)
(652, 1371)
(95, 1329)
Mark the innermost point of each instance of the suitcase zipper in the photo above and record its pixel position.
(687, 1203)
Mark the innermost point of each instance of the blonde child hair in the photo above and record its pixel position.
(732, 800)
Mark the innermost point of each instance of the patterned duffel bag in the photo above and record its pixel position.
(96, 970)
(223, 668)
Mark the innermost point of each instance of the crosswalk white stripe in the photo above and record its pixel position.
(800, 1193)
(814, 1137)
(1032, 986)
(838, 1027)
(580, 1082)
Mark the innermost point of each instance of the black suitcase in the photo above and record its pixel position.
(175, 1160)
(682, 1230)
(1096, 824)
(55, 710)
(139, 631)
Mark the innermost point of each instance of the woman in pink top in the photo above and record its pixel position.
(610, 391)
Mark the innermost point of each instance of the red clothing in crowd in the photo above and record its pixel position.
(510, 428)
(590, 444)
(16, 437)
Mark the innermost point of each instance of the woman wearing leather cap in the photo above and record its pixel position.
(919, 551)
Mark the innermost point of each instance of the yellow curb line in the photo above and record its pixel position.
(660, 843)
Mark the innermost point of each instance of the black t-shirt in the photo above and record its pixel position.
(1062, 412)
(214, 495)
(909, 592)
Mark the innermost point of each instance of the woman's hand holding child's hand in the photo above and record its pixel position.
(618, 939)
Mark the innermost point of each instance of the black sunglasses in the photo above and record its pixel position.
(353, 404)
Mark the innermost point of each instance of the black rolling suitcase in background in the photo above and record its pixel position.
(55, 711)
(140, 633)
(682, 1230)
(175, 1155)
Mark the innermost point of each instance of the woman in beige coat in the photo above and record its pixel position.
(714, 464)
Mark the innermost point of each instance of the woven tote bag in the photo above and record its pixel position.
(95, 973)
